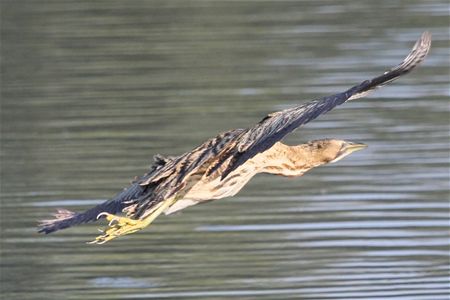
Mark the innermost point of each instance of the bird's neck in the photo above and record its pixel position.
(287, 160)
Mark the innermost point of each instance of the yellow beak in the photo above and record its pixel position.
(348, 148)
(351, 147)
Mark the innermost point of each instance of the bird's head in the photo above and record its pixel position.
(331, 150)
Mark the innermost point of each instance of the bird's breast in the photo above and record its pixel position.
(209, 187)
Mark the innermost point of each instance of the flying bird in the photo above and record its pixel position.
(221, 166)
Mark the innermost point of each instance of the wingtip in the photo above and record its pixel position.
(426, 36)
(420, 49)
(424, 42)
(415, 57)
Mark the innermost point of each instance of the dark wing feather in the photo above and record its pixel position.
(277, 125)
(242, 144)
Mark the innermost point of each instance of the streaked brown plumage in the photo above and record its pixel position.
(221, 166)
(280, 159)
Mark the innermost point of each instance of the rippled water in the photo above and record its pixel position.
(91, 90)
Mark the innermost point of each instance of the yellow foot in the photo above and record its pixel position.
(117, 226)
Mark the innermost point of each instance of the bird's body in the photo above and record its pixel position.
(221, 166)
(280, 159)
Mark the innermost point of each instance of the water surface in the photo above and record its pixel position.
(92, 90)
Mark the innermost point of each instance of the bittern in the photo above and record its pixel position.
(221, 166)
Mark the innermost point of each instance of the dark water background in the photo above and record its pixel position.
(90, 90)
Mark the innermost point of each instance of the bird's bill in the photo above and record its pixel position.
(352, 147)
(347, 149)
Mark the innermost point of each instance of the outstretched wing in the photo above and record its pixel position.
(275, 126)
(242, 144)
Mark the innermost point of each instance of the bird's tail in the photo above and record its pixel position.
(415, 57)
(65, 218)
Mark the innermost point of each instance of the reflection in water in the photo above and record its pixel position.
(90, 92)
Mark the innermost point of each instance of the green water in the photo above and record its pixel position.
(91, 90)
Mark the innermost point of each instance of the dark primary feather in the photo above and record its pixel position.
(65, 218)
(277, 125)
(235, 147)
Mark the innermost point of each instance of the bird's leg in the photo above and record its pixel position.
(119, 226)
